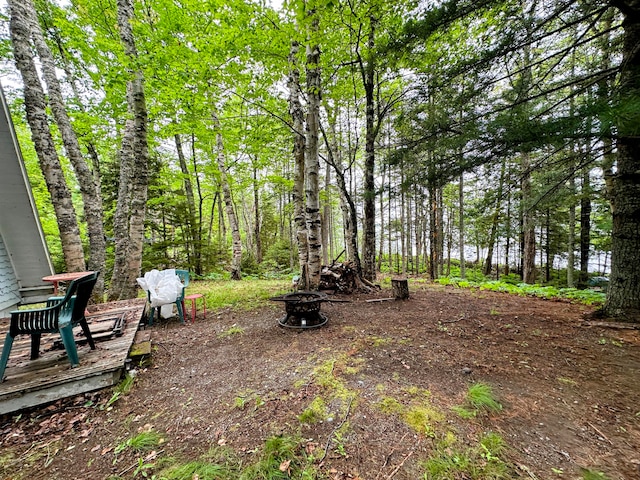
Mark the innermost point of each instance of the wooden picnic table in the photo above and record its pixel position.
(63, 277)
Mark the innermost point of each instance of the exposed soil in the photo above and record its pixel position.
(571, 393)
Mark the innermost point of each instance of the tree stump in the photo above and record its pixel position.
(400, 288)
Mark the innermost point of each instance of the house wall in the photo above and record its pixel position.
(9, 288)
(25, 259)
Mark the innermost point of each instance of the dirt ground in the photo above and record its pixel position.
(570, 393)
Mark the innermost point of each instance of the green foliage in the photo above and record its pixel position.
(283, 457)
(141, 442)
(316, 412)
(200, 469)
(481, 397)
(586, 296)
(121, 389)
(244, 295)
(231, 331)
(483, 461)
(423, 418)
(588, 474)
(278, 254)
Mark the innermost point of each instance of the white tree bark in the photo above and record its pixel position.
(91, 198)
(35, 108)
(134, 157)
(236, 259)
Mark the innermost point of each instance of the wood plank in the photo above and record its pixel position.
(34, 382)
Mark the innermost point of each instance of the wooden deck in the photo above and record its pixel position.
(50, 377)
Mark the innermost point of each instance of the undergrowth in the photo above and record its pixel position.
(242, 296)
(281, 457)
(483, 461)
(587, 296)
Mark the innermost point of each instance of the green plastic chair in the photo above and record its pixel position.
(184, 278)
(60, 315)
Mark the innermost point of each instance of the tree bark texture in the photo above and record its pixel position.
(495, 220)
(297, 116)
(195, 252)
(36, 113)
(91, 197)
(528, 223)
(461, 242)
(134, 156)
(236, 259)
(369, 230)
(312, 162)
(623, 296)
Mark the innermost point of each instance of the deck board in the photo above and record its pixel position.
(50, 377)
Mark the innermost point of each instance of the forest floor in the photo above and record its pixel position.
(384, 376)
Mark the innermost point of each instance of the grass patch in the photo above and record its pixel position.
(482, 461)
(423, 419)
(282, 457)
(586, 296)
(316, 412)
(120, 390)
(588, 474)
(481, 397)
(200, 469)
(231, 331)
(143, 441)
(240, 296)
(420, 415)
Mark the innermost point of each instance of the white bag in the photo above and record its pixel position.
(164, 287)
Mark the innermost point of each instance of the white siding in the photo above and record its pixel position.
(26, 258)
(9, 290)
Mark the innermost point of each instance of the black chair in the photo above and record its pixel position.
(60, 315)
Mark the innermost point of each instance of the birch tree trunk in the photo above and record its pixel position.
(36, 113)
(91, 197)
(134, 158)
(312, 162)
(297, 116)
(236, 259)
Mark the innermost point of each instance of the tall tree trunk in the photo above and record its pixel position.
(382, 225)
(461, 225)
(434, 260)
(256, 224)
(35, 108)
(312, 161)
(134, 156)
(299, 141)
(623, 296)
(91, 199)
(495, 220)
(326, 217)
(347, 205)
(368, 79)
(403, 224)
(585, 227)
(528, 223)
(236, 258)
(121, 215)
(192, 222)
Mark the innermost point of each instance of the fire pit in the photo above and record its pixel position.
(303, 310)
